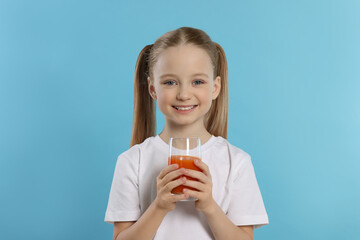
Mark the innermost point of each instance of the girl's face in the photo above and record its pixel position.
(184, 85)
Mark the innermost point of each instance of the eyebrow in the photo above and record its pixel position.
(174, 75)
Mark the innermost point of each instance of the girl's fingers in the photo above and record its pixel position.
(173, 184)
(198, 175)
(192, 193)
(195, 184)
(172, 175)
(178, 197)
(167, 169)
(203, 167)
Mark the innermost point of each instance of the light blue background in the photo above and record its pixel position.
(66, 99)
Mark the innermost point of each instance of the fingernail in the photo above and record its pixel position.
(183, 179)
(176, 166)
(196, 161)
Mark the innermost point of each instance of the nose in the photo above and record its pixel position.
(184, 93)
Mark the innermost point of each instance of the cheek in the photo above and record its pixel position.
(206, 94)
(206, 98)
(162, 96)
(163, 99)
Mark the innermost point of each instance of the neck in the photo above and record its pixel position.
(180, 131)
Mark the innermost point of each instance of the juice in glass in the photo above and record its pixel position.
(184, 162)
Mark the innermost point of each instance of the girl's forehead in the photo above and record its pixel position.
(184, 59)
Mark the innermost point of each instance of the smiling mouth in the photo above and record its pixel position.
(184, 108)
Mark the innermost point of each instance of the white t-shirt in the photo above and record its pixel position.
(235, 188)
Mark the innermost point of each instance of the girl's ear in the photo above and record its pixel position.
(151, 88)
(217, 87)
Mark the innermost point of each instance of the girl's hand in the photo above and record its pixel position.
(205, 202)
(165, 182)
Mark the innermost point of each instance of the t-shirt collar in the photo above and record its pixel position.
(165, 147)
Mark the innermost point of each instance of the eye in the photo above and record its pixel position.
(198, 82)
(169, 82)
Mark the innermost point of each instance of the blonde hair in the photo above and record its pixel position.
(144, 119)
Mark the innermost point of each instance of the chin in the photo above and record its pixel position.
(187, 122)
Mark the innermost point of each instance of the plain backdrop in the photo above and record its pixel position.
(66, 100)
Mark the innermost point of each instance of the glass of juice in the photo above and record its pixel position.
(184, 151)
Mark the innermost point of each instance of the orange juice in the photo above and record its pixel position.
(184, 162)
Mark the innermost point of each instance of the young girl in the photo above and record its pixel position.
(186, 73)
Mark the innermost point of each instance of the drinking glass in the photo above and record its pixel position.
(184, 151)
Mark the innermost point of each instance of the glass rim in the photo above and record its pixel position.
(184, 138)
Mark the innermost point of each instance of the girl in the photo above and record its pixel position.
(186, 73)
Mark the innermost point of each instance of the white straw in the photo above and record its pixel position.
(187, 146)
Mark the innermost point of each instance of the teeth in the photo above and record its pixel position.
(184, 108)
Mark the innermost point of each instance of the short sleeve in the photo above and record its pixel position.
(246, 204)
(123, 204)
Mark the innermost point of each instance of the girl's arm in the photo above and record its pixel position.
(147, 225)
(223, 228)
(144, 228)
(220, 224)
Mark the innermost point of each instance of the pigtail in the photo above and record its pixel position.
(217, 118)
(144, 118)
